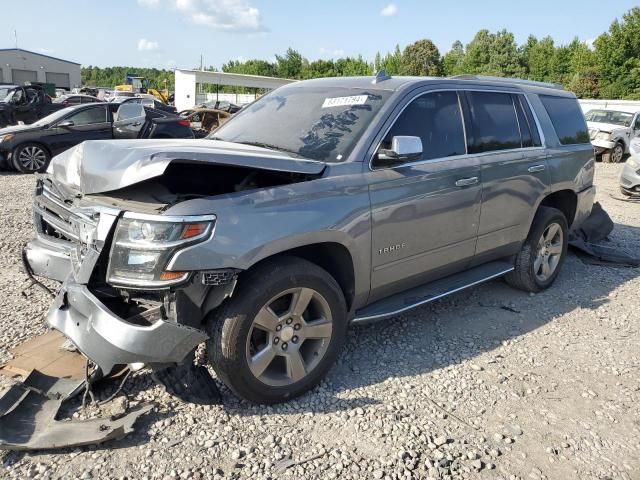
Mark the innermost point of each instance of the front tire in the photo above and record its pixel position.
(279, 334)
(30, 158)
(614, 155)
(543, 253)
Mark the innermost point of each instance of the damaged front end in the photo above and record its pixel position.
(118, 303)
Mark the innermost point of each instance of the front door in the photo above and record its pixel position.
(89, 123)
(424, 213)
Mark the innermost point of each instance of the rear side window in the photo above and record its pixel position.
(567, 119)
(435, 118)
(494, 122)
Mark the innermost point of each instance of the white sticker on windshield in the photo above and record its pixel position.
(342, 101)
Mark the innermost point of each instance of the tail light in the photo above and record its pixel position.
(184, 123)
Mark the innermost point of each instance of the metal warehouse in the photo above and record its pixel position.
(18, 66)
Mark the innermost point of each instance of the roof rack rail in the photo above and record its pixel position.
(519, 81)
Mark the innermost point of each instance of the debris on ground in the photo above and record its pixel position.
(28, 412)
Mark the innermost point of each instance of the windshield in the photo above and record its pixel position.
(609, 116)
(318, 123)
(54, 117)
(4, 94)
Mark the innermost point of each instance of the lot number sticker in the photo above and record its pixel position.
(343, 101)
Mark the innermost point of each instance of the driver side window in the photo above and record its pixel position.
(435, 118)
(89, 116)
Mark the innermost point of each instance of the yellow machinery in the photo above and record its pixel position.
(137, 84)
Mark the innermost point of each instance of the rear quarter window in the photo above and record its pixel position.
(567, 119)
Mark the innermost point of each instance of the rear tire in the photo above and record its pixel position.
(262, 347)
(543, 253)
(30, 158)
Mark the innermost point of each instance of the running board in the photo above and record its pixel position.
(403, 301)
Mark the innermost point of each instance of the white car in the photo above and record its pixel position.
(611, 132)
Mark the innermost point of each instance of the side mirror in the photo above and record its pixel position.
(403, 148)
(66, 123)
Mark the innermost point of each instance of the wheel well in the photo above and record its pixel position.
(566, 201)
(334, 258)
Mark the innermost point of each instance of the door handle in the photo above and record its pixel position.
(465, 182)
(137, 124)
(536, 168)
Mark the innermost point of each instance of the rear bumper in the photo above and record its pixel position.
(109, 340)
(49, 258)
(583, 208)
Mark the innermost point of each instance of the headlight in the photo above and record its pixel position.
(603, 136)
(633, 163)
(144, 244)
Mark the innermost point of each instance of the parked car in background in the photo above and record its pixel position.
(221, 105)
(324, 203)
(29, 148)
(69, 100)
(150, 102)
(630, 174)
(118, 95)
(5, 89)
(26, 104)
(611, 132)
(203, 121)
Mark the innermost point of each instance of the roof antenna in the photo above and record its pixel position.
(380, 76)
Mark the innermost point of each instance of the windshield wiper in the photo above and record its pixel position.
(270, 147)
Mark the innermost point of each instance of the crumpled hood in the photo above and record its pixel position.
(605, 127)
(98, 166)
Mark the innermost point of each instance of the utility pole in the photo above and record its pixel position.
(201, 66)
(15, 36)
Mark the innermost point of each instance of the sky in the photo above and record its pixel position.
(175, 33)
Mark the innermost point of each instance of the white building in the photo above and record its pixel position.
(188, 82)
(18, 66)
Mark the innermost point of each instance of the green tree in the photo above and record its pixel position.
(539, 59)
(493, 54)
(391, 63)
(617, 53)
(421, 58)
(290, 64)
(453, 60)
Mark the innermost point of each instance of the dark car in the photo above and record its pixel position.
(29, 148)
(150, 103)
(26, 104)
(69, 100)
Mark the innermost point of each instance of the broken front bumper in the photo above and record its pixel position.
(49, 258)
(602, 145)
(109, 340)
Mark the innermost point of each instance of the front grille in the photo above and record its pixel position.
(56, 219)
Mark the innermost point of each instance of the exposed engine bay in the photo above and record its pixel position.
(187, 180)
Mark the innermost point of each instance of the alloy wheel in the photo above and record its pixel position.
(617, 154)
(289, 337)
(32, 158)
(549, 252)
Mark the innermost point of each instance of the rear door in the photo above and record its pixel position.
(424, 213)
(130, 119)
(88, 123)
(504, 137)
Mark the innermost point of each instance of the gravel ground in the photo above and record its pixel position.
(489, 383)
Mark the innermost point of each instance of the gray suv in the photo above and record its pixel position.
(323, 204)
